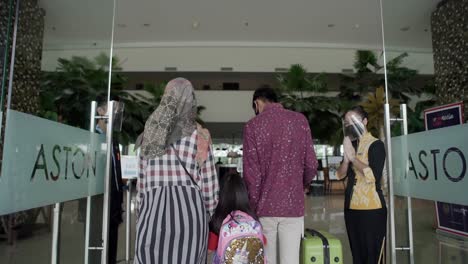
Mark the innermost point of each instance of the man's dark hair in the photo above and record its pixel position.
(102, 100)
(265, 93)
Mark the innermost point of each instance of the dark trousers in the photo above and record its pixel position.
(115, 218)
(366, 233)
(113, 239)
(96, 229)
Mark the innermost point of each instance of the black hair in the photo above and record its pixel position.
(102, 100)
(358, 110)
(265, 93)
(233, 196)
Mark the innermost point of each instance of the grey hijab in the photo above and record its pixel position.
(172, 120)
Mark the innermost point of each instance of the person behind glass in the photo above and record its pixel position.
(365, 209)
(116, 189)
(97, 201)
(278, 165)
(177, 184)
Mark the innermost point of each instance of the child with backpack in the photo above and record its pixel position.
(235, 231)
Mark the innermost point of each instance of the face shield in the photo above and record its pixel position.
(353, 127)
(118, 115)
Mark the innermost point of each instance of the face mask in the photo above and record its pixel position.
(353, 132)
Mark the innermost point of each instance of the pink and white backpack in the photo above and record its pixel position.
(240, 241)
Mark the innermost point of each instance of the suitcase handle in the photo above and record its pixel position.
(326, 245)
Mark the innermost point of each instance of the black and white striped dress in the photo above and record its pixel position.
(172, 225)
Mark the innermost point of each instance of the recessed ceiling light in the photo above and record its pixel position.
(279, 69)
(227, 69)
(146, 25)
(404, 29)
(357, 26)
(331, 25)
(170, 69)
(195, 24)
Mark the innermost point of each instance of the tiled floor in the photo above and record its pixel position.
(322, 212)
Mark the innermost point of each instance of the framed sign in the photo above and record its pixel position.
(452, 218)
(129, 166)
(444, 116)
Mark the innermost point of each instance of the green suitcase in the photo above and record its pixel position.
(319, 247)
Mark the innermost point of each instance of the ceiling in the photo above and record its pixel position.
(208, 22)
(246, 80)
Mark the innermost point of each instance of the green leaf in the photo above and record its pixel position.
(363, 59)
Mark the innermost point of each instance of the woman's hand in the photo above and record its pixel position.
(343, 169)
(349, 152)
(345, 159)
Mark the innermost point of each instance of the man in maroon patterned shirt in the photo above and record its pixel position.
(279, 164)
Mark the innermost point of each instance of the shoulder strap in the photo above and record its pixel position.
(183, 166)
(237, 214)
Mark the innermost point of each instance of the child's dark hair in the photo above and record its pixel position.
(233, 196)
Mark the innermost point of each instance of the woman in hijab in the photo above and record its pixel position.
(177, 186)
